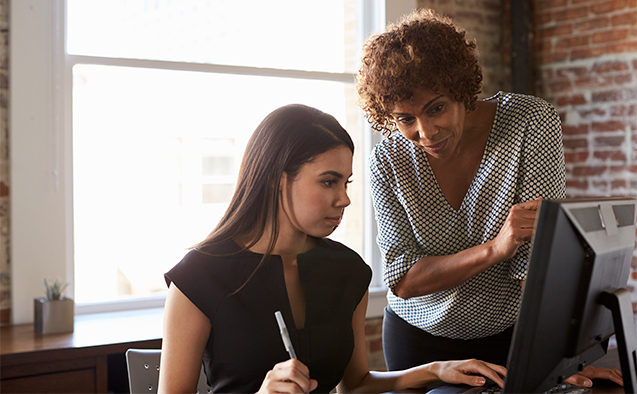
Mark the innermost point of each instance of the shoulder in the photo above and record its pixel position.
(390, 147)
(524, 106)
(206, 262)
(392, 155)
(343, 256)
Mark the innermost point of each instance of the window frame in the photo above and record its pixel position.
(40, 143)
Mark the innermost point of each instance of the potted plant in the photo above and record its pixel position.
(55, 313)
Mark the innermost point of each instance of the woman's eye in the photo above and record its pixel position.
(329, 182)
(437, 109)
(404, 120)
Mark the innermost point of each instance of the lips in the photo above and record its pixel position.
(335, 221)
(436, 148)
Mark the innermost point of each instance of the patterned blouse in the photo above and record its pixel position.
(523, 160)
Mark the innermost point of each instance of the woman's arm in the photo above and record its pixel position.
(432, 274)
(358, 378)
(186, 332)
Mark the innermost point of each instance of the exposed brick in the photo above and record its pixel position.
(597, 184)
(592, 113)
(622, 47)
(555, 31)
(600, 81)
(614, 95)
(571, 13)
(623, 79)
(575, 143)
(572, 184)
(569, 72)
(618, 184)
(573, 42)
(610, 66)
(540, 19)
(603, 142)
(612, 155)
(623, 110)
(611, 125)
(375, 345)
(603, 7)
(575, 157)
(588, 170)
(576, 99)
(592, 24)
(628, 18)
(548, 58)
(609, 36)
(373, 326)
(574, 130)
(542, 45)
(587, 53)
(560, 86)
(543, 5)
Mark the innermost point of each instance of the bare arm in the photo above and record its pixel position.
(358, 378)
(186, 332)
(432, 274)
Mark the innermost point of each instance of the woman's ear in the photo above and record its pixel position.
(283, 182)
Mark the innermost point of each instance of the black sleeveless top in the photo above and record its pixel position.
(245, 342)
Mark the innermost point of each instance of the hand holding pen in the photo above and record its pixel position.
(291, 376)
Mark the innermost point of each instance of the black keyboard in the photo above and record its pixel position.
(565, 388)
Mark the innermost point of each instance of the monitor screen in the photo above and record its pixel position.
(580, 250)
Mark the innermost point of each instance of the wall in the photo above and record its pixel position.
(586, 58)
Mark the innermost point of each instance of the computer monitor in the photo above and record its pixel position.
(574, 297)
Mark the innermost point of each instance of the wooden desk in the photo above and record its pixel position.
(89, 360)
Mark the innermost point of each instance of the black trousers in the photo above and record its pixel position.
(406, 346)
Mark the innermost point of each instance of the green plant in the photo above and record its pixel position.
(55, 291)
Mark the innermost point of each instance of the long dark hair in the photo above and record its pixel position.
(284, 141)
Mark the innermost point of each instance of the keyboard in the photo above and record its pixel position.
(565, 388)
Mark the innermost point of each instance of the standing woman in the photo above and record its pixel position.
(269, 253)
(455, 188)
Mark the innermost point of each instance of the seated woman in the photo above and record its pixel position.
(269, 253)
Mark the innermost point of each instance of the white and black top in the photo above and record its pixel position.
(523, 160)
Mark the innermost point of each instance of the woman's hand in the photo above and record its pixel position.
(472, 372)
(517, 229)
(290, 376)
(584, 377)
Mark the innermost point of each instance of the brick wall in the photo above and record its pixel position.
(586, 58)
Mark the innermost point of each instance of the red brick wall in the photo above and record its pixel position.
(586, 58)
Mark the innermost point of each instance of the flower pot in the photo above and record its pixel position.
(52, 317)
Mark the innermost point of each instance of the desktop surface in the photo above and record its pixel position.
(610, 360)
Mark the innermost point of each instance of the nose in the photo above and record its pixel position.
(343, 199)
(425, 130)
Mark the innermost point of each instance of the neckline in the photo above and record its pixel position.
(480, 169)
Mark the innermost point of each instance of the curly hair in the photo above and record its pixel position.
(425, 50)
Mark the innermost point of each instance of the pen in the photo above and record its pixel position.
(284, 334)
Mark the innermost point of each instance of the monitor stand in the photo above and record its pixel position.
(618, 301)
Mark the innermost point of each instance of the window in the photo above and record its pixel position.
(143, 113)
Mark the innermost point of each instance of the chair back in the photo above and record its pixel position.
(143, 372)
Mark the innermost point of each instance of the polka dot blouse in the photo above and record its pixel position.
(523, 160)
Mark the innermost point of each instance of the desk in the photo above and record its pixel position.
(88, 360)
(610, 360)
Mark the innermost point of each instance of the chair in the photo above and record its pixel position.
(143, 372)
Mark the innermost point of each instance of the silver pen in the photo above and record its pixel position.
(284, 334)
